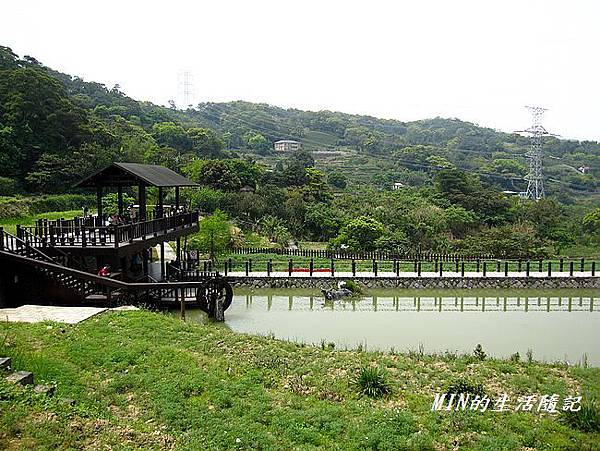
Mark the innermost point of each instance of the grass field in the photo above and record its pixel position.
(10, 224)
(147, 380)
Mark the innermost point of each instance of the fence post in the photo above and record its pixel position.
(353, 268)
(571, 268)
(561, 265)
(484, 268)
(582, 264)
(478, 265)
(269, 263)
(375, 267)
(462, 269)
(505, 269)
(520, 266)
(226, 263)
(397, 269)
(311, 266)
(290, 266)
(250, 265)
(441, 268)
(230, 264)
(247, 265)
(1, 238)
(497, 265)
(527, 269)
(416, 264)
(549, 269)
(540, 266)
(419, 269)
(332, 268)
(593, 269)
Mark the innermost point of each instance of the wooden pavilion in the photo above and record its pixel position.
(128, 235)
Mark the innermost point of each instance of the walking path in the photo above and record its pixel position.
(39, 313)
(392, 275)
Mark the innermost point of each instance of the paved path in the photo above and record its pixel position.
(154, 267)
(39, 313)
(381, 275)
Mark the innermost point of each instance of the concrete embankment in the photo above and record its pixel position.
(434, 282)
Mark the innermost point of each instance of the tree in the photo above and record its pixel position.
(205, 142)
(591, 222)
(257, 142)
(337, 179)
(214, 236)
(172, 135)
(359, 234)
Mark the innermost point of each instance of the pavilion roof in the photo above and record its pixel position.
(132, 174)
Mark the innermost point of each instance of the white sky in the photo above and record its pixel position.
(480, 61)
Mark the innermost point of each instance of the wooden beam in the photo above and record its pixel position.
(120, 200)
(159, 213)
(99, 202)
(142, 201)
(178, 251)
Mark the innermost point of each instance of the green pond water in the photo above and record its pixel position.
(557, 325)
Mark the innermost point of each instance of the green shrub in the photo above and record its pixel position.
(18, 207)
(462, 386)
(479, 353)
(8, 186)
(587, 419)
(353, 286)
(372, 382)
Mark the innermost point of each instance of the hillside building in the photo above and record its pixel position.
(287, 145)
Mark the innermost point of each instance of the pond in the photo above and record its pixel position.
(556, 325)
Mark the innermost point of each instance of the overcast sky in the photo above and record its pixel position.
(480, 61)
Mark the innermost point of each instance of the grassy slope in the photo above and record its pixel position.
(10, 224)
(148, 380)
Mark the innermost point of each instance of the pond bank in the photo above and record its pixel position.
(430, 282)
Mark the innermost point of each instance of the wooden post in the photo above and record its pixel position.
(593, 268)
(182, 303)
(462, 269)
(484, 268)
(505, 269)
(353, 268)
(120, 200)
(178, 250)
(419, 268)
(162, 260)
(311, 266)
(571, 268)
(247, 265)
(142, 201)
(99, 203)
(527, 267)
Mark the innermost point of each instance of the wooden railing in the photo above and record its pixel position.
(83, 232)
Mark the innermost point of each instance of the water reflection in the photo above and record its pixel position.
(424, 303)
(557, 325)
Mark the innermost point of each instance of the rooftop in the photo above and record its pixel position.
(131, 174)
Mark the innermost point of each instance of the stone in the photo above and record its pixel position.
(47, 390)
(68, 401)
(5, 363)
(20, 377)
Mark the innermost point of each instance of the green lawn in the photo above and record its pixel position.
(10, 224)
(147, 380)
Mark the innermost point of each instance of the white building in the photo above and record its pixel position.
(287, 145)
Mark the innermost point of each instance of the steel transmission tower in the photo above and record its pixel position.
(535, 177)
(187, 88)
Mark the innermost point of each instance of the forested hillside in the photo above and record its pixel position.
(55, 128)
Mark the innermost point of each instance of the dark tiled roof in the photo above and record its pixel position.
(130, 174)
